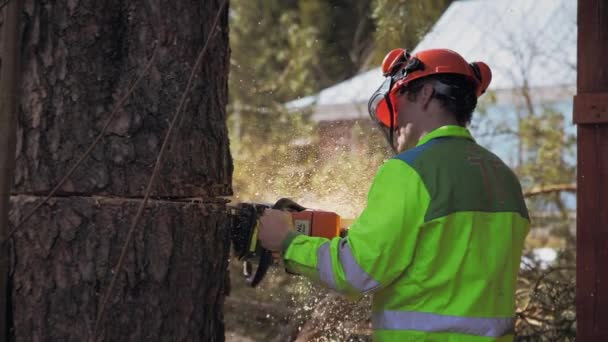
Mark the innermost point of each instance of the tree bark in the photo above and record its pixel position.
(171, 287)
(79, 57)
(10, 49)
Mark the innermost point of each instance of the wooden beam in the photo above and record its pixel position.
(591, 108)
(592, 174)
(9, 85)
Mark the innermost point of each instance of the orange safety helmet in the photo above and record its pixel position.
(400, 68)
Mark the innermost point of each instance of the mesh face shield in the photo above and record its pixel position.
(381, 105)
(382, 112)
(378, 105)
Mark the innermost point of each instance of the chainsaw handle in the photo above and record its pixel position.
(265, 261)
(266, 257)
(287, 204)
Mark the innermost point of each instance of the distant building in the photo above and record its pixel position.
(528, 44)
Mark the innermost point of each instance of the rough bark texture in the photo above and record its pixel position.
(79, 57)
(10, 34)
(171, 288)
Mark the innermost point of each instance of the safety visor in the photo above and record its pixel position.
(378, 106)
(381, 105)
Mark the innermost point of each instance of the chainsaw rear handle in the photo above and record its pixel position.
(265, 261)
(266, 258)
(287, 204)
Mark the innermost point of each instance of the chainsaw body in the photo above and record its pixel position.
(244, 232)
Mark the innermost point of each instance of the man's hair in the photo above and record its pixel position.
(461, 102)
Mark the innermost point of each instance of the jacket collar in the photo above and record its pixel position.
(446, 131)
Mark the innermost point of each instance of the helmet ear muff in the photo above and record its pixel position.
(476, 71)
(394, 60)
(483, 74)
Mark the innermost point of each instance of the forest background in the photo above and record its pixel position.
(285, 50)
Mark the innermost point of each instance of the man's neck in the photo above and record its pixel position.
(432, 125)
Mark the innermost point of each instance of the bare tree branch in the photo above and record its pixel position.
(545, 189)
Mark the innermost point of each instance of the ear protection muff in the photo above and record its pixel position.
(483, 74)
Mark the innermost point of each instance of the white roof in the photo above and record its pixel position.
(519, 39)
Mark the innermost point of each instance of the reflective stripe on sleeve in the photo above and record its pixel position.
(355, 275)
(429, 322)
(324, 266)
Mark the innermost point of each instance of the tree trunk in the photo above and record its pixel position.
(10, 30)
(171, 287)
(79, 57)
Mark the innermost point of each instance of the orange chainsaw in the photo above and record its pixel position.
(244, 232)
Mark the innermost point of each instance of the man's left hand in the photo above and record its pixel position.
(274, 226)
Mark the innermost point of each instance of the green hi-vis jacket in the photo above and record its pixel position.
(439, 244)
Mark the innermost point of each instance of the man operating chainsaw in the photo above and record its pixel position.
(440, 240)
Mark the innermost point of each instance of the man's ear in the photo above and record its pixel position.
(426, 94)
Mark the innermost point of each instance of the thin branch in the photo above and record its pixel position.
(87, 152)
(155, 173)
(545, 189)
(547, 273)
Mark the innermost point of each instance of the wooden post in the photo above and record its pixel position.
(591, 116)
(9, 85)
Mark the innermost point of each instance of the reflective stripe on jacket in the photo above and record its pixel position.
(439, 244)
